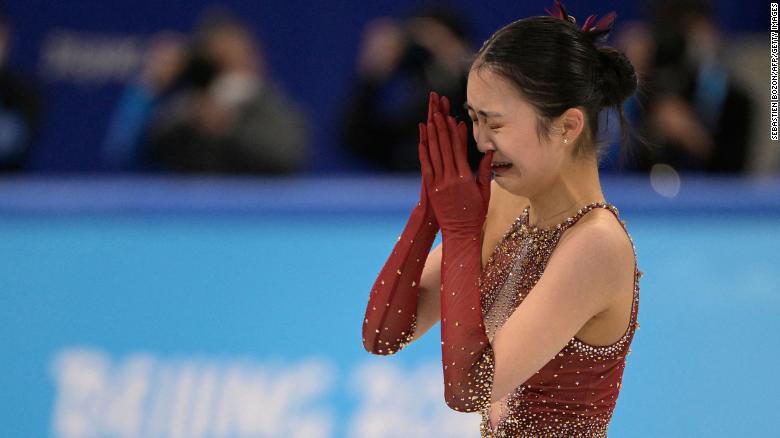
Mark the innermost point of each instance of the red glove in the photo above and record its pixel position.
(460, 204)
(391, 314)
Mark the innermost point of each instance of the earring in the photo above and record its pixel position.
(565, 140)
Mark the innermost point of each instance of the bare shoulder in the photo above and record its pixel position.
(599, 233)
(598, 247)
(503, 209)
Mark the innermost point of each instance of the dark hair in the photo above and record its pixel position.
(557, 66)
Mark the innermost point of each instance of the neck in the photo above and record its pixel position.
(575, 187)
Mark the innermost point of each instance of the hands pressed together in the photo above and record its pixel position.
(450, 198)
(458, 200)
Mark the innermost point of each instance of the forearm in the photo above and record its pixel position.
(391, 314)
(467, 356)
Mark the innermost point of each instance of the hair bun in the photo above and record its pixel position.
(619, 80)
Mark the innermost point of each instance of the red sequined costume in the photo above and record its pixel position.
(575, 393)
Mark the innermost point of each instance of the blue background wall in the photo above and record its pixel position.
(311, 47)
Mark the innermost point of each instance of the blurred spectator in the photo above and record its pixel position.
(208, 106)
(636, 41)
(398, 64)
(163, 63)
(695, 116)
(19, 108)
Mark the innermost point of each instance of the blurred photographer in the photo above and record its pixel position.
(399, 62)
(228, 116)
(210, 107)
(696, 112)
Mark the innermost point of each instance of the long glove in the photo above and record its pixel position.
(460, 205)
(391, 314)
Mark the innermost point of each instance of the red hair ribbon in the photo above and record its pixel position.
(603, 26)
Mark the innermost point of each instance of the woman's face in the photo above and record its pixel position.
(505, 122)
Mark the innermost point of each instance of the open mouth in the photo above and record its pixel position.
(500, 166)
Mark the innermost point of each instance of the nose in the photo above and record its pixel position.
(484, 144)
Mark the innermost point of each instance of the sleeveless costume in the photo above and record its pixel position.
(575, 393)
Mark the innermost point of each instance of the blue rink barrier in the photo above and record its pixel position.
(340, 195)
(212, 307)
